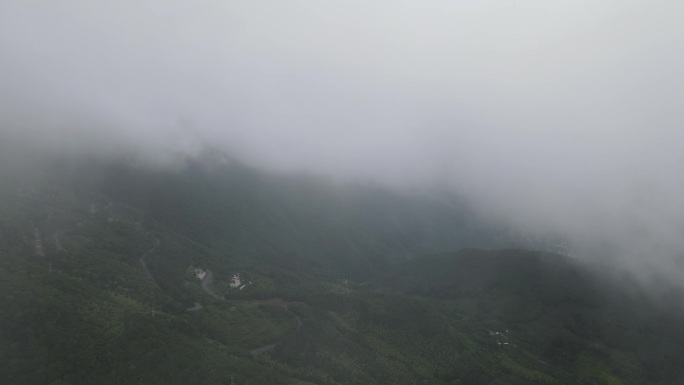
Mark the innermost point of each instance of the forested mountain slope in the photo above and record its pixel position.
(298, 220)
(218, 274)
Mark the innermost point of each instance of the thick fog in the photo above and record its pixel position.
(562, 117)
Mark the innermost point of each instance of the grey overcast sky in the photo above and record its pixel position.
(563, 116)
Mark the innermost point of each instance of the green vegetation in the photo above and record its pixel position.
(338, 287)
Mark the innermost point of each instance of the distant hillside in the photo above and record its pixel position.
(567, 314)
(117, 274)
(471, 273)
(299, 221)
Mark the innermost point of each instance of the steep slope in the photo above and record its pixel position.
(114, 274)
(97, 270)
(592, 322)
(297, 221)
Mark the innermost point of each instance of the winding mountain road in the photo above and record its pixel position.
(264, 348)
(143, 262)
(197, 306)
(58, 241)
(38, 243)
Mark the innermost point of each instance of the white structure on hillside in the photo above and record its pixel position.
(236, 281)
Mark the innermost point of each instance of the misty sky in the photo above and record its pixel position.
(563, 116)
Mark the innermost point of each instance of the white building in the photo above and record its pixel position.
(200, 273)
(236, 281)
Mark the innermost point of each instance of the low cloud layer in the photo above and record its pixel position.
(563, 117)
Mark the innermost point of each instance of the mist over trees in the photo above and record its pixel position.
(410, 192)
(557, 118)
